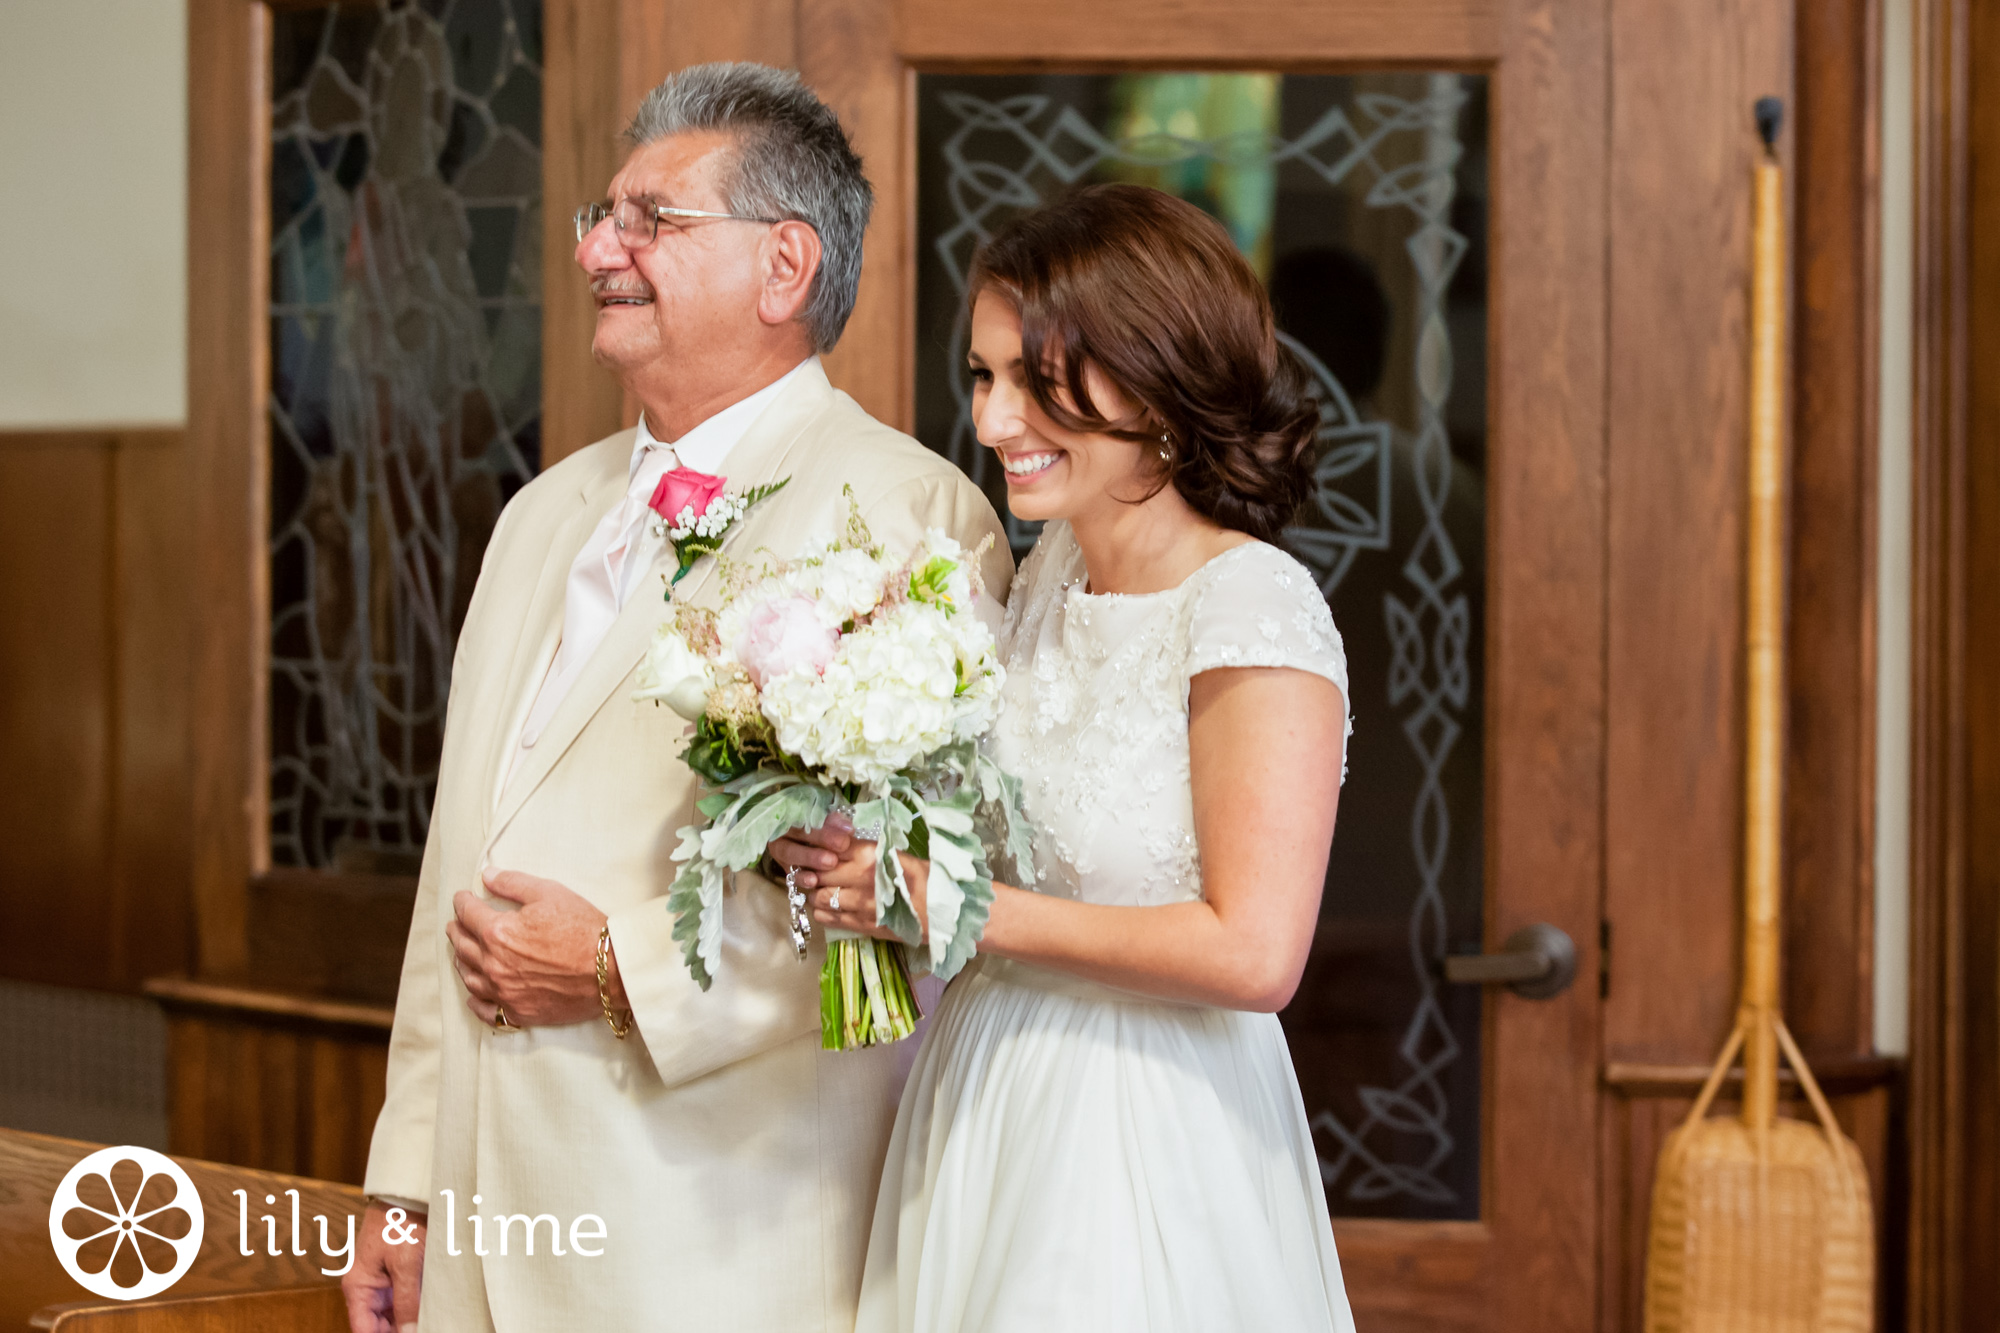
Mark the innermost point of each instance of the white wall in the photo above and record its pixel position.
(1892, 568)
(93, 115)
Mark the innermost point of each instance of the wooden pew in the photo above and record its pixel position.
(223, 1292)
(286, 1310)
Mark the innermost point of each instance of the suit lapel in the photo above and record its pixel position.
(541, 619)
(761, 456)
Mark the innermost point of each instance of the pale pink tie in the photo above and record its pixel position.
(599, 582)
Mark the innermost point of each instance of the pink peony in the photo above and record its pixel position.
(785, 635)
(682, 489)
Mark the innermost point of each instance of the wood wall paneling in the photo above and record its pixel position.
(93, 715)
(1683, 145)
(55, 702)
(153, 931)
(1421, 1277)
(335, 936)
(275, 1082)
(1683, 80)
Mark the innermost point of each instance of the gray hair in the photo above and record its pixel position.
(793, 161)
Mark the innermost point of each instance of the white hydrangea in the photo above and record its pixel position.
(888, 699)
(915, 668)
(846, 585)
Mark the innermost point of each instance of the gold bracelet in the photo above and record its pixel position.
(611, 1021)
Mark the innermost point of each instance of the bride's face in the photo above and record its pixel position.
(1051, 472)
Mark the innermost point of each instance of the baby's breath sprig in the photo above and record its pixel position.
(697, 535)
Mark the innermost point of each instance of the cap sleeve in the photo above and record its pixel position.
(1261, 608)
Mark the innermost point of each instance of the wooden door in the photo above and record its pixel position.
(1449, 150)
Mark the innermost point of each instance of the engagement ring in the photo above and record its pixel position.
(833, 902)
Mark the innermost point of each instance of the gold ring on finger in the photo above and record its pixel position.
(500, 1023)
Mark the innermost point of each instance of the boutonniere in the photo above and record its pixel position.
(696, 511)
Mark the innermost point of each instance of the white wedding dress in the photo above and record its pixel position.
(1072, 1157)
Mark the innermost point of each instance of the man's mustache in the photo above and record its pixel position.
(603, 288)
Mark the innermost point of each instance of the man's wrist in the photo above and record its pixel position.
(614, 981)
(410, 1206)
(610, 990)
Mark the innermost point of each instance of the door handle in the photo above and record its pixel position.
(1537, 962)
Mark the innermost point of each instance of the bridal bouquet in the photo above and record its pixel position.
(849, 680)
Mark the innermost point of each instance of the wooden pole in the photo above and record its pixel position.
(1730, 1245)
(1764, 631)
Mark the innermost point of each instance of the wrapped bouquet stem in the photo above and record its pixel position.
(854, 681)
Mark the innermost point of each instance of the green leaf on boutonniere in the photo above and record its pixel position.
(691, 549)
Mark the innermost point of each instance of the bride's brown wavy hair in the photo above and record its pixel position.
(1151, 291)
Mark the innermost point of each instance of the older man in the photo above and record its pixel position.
(635, 1153)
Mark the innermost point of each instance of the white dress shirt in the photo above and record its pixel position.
(623, 546)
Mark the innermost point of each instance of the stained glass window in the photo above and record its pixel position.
(405, 391)
(1361, 202)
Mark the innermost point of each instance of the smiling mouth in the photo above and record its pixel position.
(606, 299)
(1023, 467)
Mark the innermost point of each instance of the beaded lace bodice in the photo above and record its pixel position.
(1094, 714)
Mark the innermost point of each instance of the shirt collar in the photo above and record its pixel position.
(707, 446)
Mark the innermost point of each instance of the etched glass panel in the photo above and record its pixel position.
(1361, 201)
(405, 391)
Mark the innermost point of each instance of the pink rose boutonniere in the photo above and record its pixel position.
(697, 510)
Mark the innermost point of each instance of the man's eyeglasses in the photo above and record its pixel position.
(637, 224)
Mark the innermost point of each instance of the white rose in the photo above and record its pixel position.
(676, 675)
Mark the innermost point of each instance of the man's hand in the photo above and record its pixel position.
(386, 1282)
(540, 963)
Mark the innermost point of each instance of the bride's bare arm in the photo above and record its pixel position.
(1264, 746)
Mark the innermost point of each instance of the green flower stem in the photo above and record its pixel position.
(864, 994)
(871, 984)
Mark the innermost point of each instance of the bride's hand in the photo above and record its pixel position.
(837, 870)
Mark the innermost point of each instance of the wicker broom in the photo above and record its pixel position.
(1761, 1224)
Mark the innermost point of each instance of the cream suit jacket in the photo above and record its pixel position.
(733, 1163)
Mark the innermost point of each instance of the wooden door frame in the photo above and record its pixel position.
(1955, 674)
(1546, 602)
(228, 451)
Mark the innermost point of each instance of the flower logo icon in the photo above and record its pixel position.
(126, 1223)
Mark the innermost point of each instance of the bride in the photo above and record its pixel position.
(1102, 1130)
